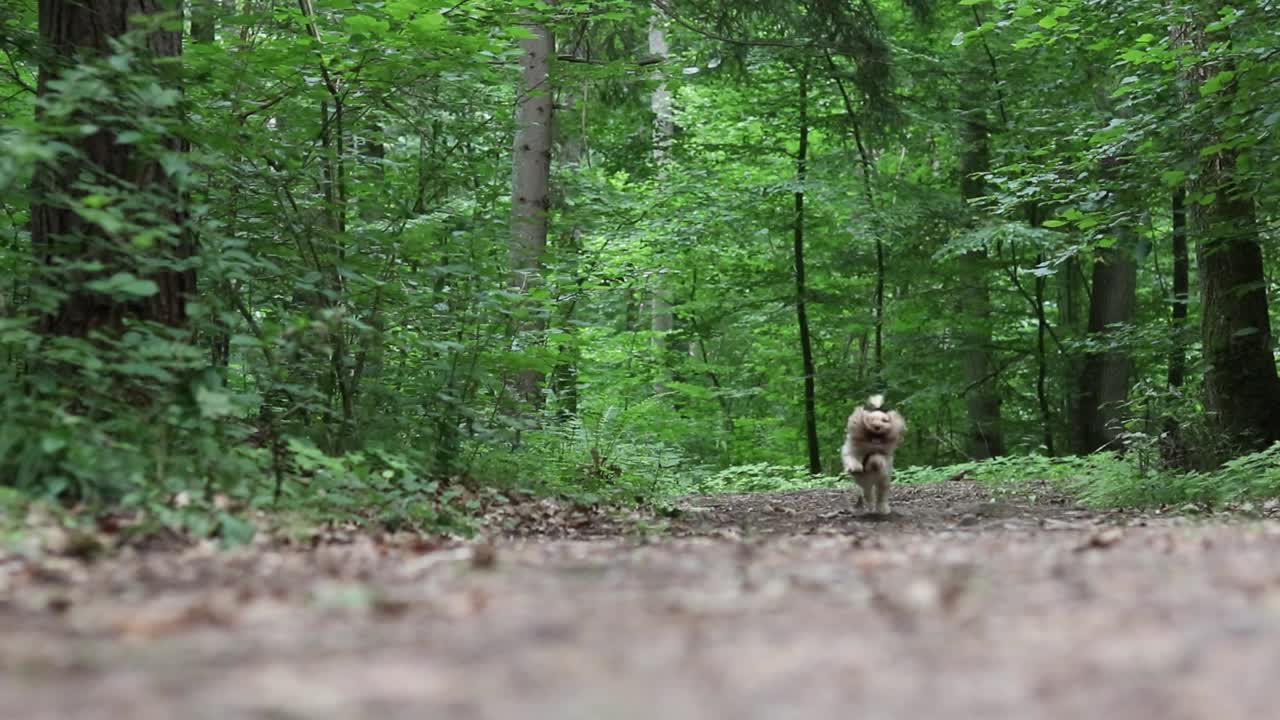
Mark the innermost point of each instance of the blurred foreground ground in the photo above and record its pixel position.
(788, 605)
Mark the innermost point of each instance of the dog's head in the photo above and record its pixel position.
(873, 422)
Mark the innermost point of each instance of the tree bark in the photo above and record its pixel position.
(802, 317)
(531, 179)
(982, 400)
(662, 321)
(1242, 387)
(62, 241)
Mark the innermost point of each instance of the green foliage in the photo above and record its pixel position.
(1251, 477)
(763, 477)
(339, 185)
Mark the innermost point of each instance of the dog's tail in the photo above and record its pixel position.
(876, 401)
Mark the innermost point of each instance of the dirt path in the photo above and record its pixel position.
(962, 605)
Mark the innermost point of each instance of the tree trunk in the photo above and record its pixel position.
(1042, 335)
(1072, 293)
(569, 152)
(1181, 290)
(1241, 384)
(1173, 446)
(531, 179)
(662, 322)
(802, 318)
(62, 241)
(1105, 378)
(986, 436)
(204, 19)
(868, 193)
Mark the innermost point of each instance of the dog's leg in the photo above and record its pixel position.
(851, 463)
(866, 488)
(878, 469)
(870, 490)
(882, 493)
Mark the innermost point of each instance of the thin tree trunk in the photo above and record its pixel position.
(1072, 294)
(802, 318)
(61, 239)
(982, 400)
(1181, 290)
(333, 170)
(1042, 334)
(868, 191)
(1174, 450)
(531, 179)
(564, 377)
(1042, 367)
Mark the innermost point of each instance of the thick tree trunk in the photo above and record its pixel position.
(802, 317)
(662, 321)
(985, 435)
(62, 241)
(531, 179)
(1241, 384)
(204, 19)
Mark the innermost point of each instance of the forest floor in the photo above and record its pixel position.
(968, 602)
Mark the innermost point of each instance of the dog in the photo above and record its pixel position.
(872, 435)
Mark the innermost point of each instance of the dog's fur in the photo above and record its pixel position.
(872, 435)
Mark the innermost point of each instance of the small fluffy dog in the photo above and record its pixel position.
(871, 437)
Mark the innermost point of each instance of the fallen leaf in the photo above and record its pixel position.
(1104, 538)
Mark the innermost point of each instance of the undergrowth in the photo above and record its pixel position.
(1108, 480)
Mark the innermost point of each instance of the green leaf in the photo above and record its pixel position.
(213, 403)
(958, 39)
(427, 23)
(1048, 22)
(234, 531)
(368, 26)
(124, 283)
(1054, 223)
(1217, 82)
(1173, 178)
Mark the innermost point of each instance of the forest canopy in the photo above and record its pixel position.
(347, 258)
